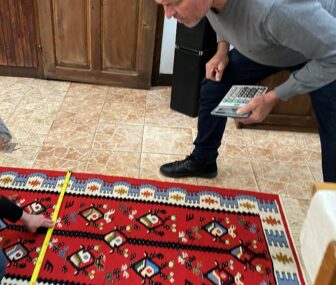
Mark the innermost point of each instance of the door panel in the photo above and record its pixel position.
(17, 34)
(99, 41)
(71, 31)
(119, 37)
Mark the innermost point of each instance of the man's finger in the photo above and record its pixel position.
(244, 109)
(47, 223)
(210, 73)
(213, 75)
(207, 73)
(249, 107)
(246, 121)
(219, 74)
(219, 71)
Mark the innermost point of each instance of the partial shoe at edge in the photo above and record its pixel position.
(189, 167)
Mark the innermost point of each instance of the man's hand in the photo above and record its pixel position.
(33, 222)
(215, 66)
(259, 106)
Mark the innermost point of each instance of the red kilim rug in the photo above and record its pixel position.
(114, 230)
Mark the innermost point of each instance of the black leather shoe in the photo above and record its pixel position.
(189, 167)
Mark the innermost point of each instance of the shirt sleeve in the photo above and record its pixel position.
(310, 30)
(220, 38)
(9, 210)
(211, 17)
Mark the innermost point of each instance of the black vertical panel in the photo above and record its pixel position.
(194, 47)
(189, 70)
(201, 37)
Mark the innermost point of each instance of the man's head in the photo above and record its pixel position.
(187, 12)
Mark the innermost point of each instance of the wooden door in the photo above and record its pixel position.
(18, 47)
(99, 41)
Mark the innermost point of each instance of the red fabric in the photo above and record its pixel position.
(104, 240)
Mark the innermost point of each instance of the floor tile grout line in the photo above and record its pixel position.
(254, 175)
(311, 173)
(141, 149)
(143, 136)
(18, 103)
(224, 142)
(58, 111)
(100, 116)
(40, 145)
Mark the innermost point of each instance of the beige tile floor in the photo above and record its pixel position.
(125, 132)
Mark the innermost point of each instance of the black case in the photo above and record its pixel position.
(200, 38)
(194, 47)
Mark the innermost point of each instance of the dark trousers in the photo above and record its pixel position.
(242, 70)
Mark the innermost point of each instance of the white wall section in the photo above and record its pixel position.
(168, 46)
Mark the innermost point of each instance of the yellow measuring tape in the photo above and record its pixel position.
(45, 244)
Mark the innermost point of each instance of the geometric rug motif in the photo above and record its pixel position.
(116, 230)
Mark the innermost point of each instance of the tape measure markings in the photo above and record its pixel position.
(49, 232)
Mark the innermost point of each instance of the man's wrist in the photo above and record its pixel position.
(24, 218)
(223, 48)
(272, 97)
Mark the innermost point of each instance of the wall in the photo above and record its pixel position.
(168, 46)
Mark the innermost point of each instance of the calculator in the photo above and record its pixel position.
(237, 96)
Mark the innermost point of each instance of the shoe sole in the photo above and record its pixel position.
(207, 175)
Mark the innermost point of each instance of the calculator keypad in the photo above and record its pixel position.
(241, 94)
